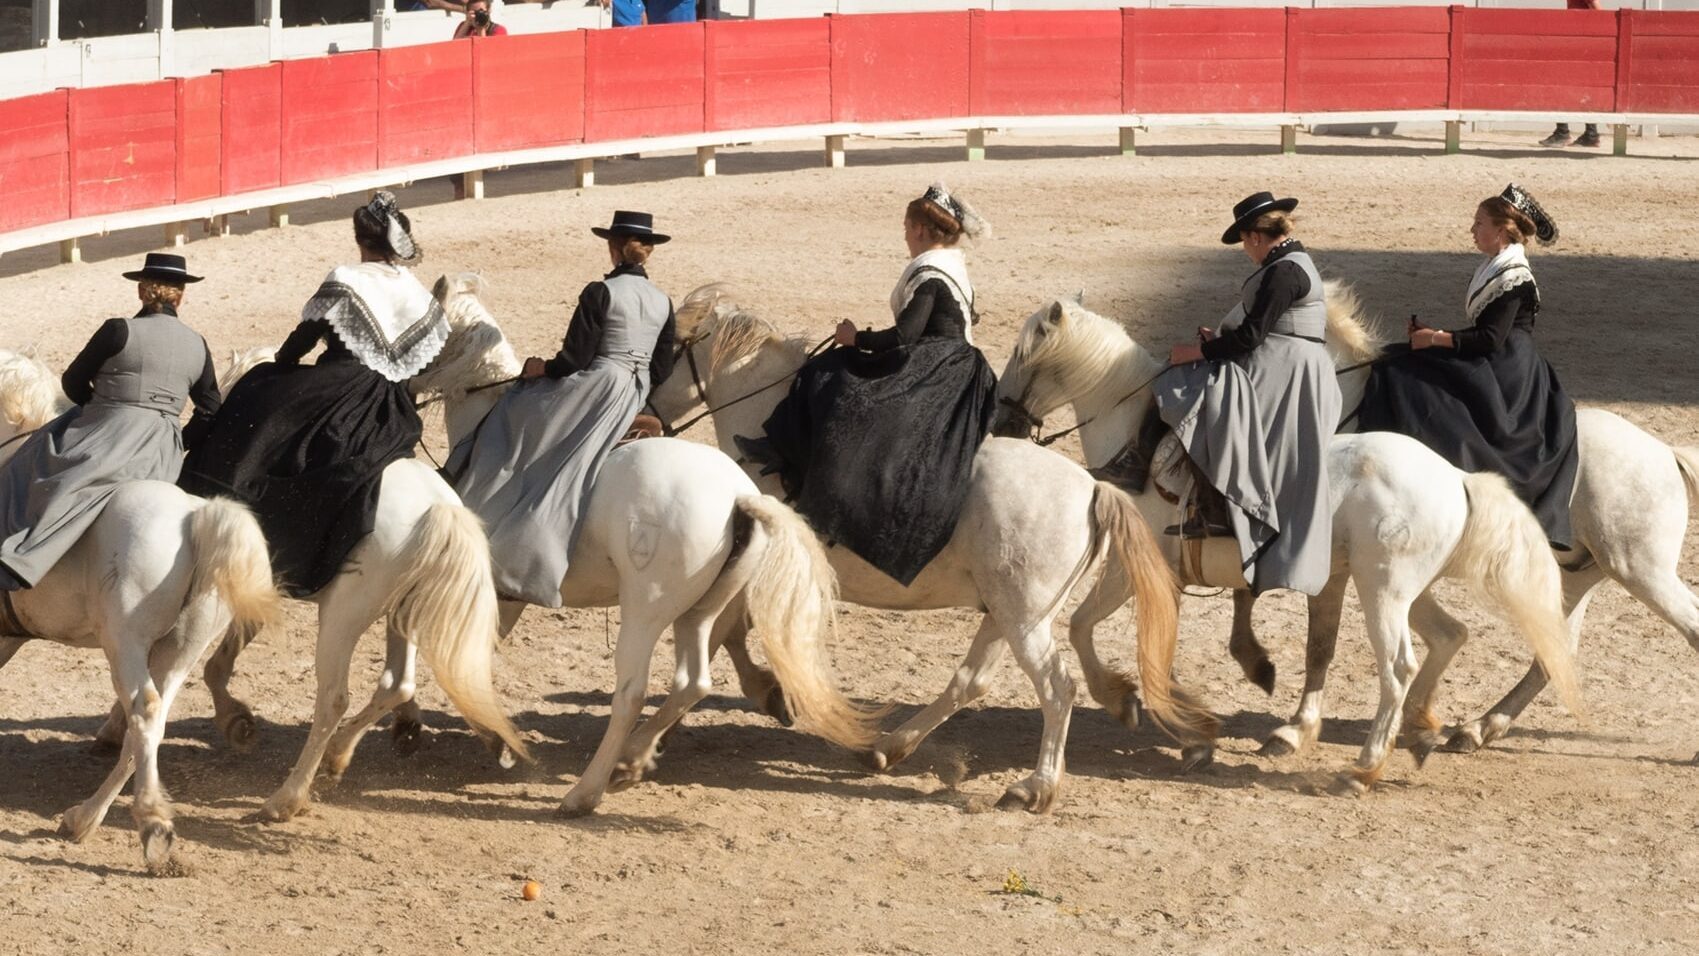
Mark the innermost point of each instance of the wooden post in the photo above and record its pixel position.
(469, 185)
(70, 250)
(1453, 137)
(584, 173)
(1128, 147)
(704, 160)
(1288, 139)
(835, 152)
(217, 226)
(1619, 139)
(279, 216)
(975, 145)
(176, 235)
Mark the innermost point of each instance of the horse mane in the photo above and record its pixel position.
(738, 332)
(242, 361)
(1353, 336)
(1077, 349)
(476, 352)
(29, 394)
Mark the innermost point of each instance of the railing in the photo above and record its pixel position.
(82, 162)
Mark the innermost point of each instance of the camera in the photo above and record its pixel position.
(481, 17)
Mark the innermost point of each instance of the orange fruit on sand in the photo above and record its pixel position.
(531, 891)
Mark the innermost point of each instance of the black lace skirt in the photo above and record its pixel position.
(876, 450)
(305, 447)
(1503, 412)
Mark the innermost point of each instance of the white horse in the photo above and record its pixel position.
(1402, 518)
(152, 583)
(426, 567)
(673, 534)
(1033, 525)
(1628, 511)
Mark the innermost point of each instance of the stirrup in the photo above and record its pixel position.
(1197, 527)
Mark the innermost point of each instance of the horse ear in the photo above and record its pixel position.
(1079, 297)
(1054, 317)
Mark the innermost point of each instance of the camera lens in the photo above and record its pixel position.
(481, 17)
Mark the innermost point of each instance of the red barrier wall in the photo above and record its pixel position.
(330, 116)
(425, 102)
(35, 173)
(1205, 61)
(646, 82)
(252, 121)
(1659, 57)
(1044, 62)
(528, 90)
(767, 73)
(200, 110)
(900, 66)
(123, 147)
(1376, 59)
(1533, 59)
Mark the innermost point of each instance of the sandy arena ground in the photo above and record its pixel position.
(1568, 836)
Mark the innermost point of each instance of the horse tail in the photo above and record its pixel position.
(1687, 462)
(446, 601)
(791, 593)
(1156, 597)
(230, 559)
(1505, 554)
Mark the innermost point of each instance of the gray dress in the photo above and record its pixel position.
(131, 382)
(1258, 427)
(529, 468)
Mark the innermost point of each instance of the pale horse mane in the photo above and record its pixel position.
(242, 361)
(476, 352)
(738, 333)
(29, 391)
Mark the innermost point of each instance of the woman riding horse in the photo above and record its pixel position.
(1482, 396)
(129, 382)
(876, 440)
(1254, 407)
(306, 445)
(528, 469)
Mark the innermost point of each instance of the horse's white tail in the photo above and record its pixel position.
(231, 559)
(791, 595)
(446, 601)
(1687, 461)
(1157, 604)
(1505, 554)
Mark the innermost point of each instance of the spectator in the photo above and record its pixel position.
(630, 13)
(1560, 136)
(478, 22)
(452, 6)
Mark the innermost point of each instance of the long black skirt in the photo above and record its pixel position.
(305, 447)
(876, 450)
(1504, 412)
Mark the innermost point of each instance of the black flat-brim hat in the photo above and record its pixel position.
(637, 225)
(164, 267)
(1249, 209)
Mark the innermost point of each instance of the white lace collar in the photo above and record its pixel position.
(1496, 276)
(385, 316)
(953, 266)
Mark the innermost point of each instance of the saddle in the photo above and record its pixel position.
(643, 426)
(1208, 551)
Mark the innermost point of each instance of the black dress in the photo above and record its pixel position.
(875, 444)
(1491, 403)
(305, 447)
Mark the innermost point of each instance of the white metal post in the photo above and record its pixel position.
(159, 22)
(270, 13)
(44, 22)
(383, 16)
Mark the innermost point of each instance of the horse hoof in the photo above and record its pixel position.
(1462, 742)
(1276, 747)
(1023, 796)
(1196, 757)
(1263, 676)
(281, 810)
(73, 827)
(508, 759)
(874, 760)
(1349, 785)
(574, 810)
(242, 732)
(777, 708)
(406, 736)
(157, 841)
(1424, 746)
(627, 774)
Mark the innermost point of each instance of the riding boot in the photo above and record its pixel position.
(1209, 517)
(1130, 468)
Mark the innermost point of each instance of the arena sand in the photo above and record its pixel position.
(1568, 836)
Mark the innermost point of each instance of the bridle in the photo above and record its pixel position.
(1031, 423)
(687, 348)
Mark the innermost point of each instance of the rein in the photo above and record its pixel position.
(476, 388)
(687, 348)
(20, 436)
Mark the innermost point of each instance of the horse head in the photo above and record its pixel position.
(476, 353)
(29, 395)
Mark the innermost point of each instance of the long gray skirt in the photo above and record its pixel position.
(528, 469)
(1259, 429)
(60, 480)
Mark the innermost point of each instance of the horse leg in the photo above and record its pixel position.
(110, 736)
(234, 720)
(757, 683)
(970, 682)
(1386, 612)
(1578, 590)
(638, 633)
(341, 622)
(691, 683)
(173, 659)
(1444, 635)
(395, 687)
(134, 686)
(1035, 651)
(1305, 725)
(1246, 649)
(1116, 690)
